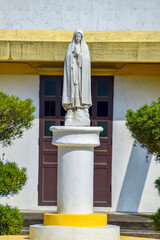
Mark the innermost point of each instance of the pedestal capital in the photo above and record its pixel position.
(76, 136)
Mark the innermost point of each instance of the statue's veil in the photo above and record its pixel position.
(83, 43)
(86, 73)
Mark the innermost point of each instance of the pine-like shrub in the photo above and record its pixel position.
(11, 220)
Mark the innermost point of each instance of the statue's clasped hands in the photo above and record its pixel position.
(76, 54)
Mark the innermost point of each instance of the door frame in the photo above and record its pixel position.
(110, 120)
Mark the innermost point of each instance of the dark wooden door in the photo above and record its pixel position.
(101, 115)
(52, 113)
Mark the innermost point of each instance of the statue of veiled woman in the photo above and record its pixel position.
(77, 82)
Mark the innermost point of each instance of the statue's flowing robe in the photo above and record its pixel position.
(85, 77)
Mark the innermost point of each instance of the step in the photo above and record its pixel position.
(132, 221)
(32, 218)
(126, 221)
(140, 233)
(132, 225)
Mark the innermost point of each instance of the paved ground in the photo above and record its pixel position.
(27, 237)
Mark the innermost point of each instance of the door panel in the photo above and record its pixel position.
(52, 113)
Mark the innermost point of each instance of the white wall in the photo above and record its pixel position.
(132, 177)
(84, 14)
(24, 151)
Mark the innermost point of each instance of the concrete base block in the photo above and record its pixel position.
(41, 232)
(76, 220)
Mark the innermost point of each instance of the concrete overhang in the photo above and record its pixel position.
(112, 52)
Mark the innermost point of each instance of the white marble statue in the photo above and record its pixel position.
(77, 82)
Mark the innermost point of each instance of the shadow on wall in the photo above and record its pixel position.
(134, 180)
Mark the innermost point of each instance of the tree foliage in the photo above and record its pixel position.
(16, 116)
(144, 125)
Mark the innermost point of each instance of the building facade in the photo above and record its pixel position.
(125, 74)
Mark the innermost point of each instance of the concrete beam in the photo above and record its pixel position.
(105, 46)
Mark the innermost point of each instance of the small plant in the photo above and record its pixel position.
(12, 178)
(11, 220)
(156, 220)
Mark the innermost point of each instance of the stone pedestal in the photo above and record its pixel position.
(75, 219)
(40, 232)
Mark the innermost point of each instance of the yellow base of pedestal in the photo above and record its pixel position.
(76, 220)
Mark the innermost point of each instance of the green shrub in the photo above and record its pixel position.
(144, 125)
(156, 220)
(12, 178)
(11, 220)
(16, 116)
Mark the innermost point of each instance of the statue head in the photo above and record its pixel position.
(78, 37)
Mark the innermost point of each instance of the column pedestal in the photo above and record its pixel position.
(75, 180)
(75, 219)
(75, 167)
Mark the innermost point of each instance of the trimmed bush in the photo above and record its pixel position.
(12, 178)
(11, 220)
(156, 220)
